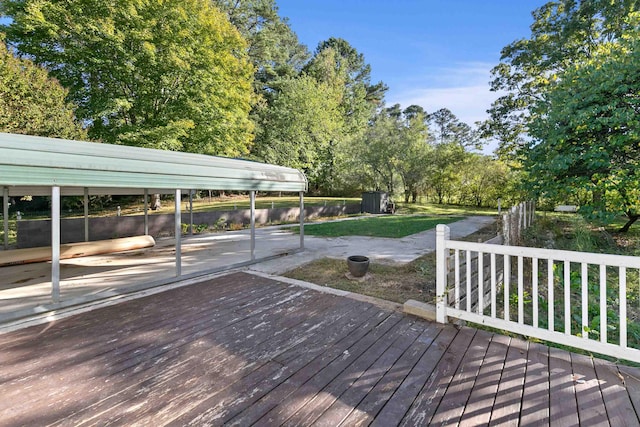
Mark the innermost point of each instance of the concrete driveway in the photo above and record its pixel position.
(386, 250)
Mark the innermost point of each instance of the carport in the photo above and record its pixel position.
(39, 166)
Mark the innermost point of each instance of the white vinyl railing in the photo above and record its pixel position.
(571, 298)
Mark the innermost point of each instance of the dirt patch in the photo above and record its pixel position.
(398, 283)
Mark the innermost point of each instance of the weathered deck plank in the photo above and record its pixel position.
(631, 381)
(138, 353)
(244, 393)
(485, 388)
(398, 405)
(367, 410)
(322, 391)
(620, 411)
(356, 343)
(426, 403)
(457, 395)
(239, 343)
(535, 396)
(563, 404)
(508, 402)
(245, 350)
(591, 409)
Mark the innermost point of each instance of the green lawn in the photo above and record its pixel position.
(435, 209)
(378, 226)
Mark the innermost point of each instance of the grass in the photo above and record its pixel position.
(415, 280)
(435, 209)
(572, 232)
(394, 226)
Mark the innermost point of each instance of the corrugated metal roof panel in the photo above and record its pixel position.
(39, 163)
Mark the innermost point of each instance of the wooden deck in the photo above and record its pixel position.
(243, 350)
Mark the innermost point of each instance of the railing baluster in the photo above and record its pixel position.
(585, 300)
(623, 306)
(507, 277)
(534, 289)
(456, 289)
(520, 290)
(480, 283)
(551, 310)
(567, 298)
(603, 303)
(563, 269)
(468, 295)
(494, 280)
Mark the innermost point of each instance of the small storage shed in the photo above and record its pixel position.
(39, 166)
(375, 202)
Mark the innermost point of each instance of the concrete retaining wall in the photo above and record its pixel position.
(33, 233)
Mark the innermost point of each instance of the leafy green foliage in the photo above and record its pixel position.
(170, 75)
(564, 33)
(302, 122)
(32, 103)
(586, 137)
(274, 49)
(309, 120)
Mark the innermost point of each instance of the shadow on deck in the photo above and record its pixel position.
(243, 349)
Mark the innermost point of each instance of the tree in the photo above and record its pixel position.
(339, 66)
(32, 103)
(586, 135)
(444, 169)
(414, 151)
(482, 180)
(447, 128)
(170, 75)
(274, 49)
(564, 33)
(299, 126)
(378, 151)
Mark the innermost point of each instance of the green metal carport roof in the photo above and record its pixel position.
(30, 165)
(37, 166)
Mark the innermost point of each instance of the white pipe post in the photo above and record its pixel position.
(442, 235)
(55, 244)
(252, 198)
(146, 212)
(190, 212)
(5, 216)
(505, 230)
(178, 233)
(86, 214)
(302, 221)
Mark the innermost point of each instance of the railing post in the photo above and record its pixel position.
(506, 230)
(442, 255)
(5, 216)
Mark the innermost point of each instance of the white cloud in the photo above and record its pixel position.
(463, 89)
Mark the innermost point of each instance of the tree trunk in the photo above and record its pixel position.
(632, 218)
(155, 204)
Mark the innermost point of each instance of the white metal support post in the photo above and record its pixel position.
(146, 212)
(442, 235)
(178, 233)
(55, 244)
(190, 212)
(252, 198)
(86, 214)
(5, 216)
(302, 221)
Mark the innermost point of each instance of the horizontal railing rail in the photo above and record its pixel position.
(579, 299)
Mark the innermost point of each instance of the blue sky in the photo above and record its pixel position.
(433, 53)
